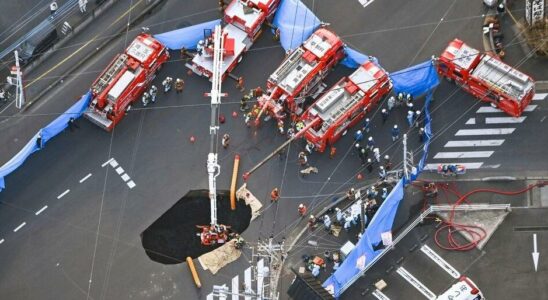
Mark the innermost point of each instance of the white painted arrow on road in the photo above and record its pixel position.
(535, 252)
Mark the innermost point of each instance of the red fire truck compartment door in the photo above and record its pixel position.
(229, 46)
(309, 56)
(350, 87)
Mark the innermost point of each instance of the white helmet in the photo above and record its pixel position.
(381, 168)
(395, 126)
(410, 112)
(383, 110)
(370, 138)
(201, 42)
(367, 120)
(386, 157)
(301, 205)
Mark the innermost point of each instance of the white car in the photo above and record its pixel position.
(464, 289)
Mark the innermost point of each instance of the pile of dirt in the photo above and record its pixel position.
(173, 236)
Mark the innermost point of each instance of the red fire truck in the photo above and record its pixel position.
(345, 104)
(486, 77)
(244, 20)
(125, 80)
(300, 75)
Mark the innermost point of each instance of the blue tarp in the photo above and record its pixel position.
(295, 22)
(186, 37)
(51, 130)
(354, 58)
(416, 80)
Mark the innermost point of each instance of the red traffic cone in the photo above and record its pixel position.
(360, 176)
(189, 72)
(192, 139)
(234, 114)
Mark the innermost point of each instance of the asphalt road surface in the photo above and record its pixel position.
(86, 244)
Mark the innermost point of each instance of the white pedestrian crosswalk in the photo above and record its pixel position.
(486, 137)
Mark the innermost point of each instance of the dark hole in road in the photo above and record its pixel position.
(173, 236)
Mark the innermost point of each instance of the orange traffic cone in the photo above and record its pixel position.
(360, 176)
(192, 139)
(234, 114)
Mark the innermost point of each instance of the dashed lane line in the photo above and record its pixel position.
(474, 143)
(20, 226)
(107, 162)
(486, 131)
(379, 295)
(131, 184)
(125, 177)
(63, 194)
(440, 261)
(540, 96)
(504, 120)
(416, 283)
(1, 241)
(469, 154)
(119, 170)
(490, 109)
(41, 210)
(85, 178)
(113, 163)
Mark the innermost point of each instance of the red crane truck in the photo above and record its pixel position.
(244, 20)
(300, 75)
(345, 104)
(486, 77)
(124, 80)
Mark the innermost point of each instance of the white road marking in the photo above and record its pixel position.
(365, 3)
(19, 227)
(85, 178)
(416, 283)
(1, 241)
(41, 210)
(468, 165)
(125, 177)
(113, 163)
(471, 121)
(504, 120)
(119, 170)
(131, 184)
(107, 162)
(469, 154)
(63, 194)
(490, 109)
(487, 131)
(380, 295)
(474, 143)
(540, 96)
(440, 261)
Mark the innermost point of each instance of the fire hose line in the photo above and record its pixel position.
(476, 233)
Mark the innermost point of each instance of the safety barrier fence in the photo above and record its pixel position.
(39, 140)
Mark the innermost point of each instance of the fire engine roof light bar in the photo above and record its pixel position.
(213, 168)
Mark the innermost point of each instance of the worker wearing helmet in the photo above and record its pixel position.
(370, 143)
(200, 47)
(301, 210)
(387, 163)
(382, 173)
(167, 83)
(179, 85)
(391, 102)
(409, 100)
(400, 98)
(153, 92)
(274, 195)
(145, 99)
(395, 133)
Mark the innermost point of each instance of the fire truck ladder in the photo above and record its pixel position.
(104, 80)
(213, 168)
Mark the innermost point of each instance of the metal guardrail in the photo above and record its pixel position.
(419, 219)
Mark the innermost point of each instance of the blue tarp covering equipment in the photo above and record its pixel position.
(296, 23)
(46, 133)
(418, 80)
(186, 37)
(354, 58)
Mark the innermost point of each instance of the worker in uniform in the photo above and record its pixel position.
(274, 195)
(226, 140)
(409, 99)
(281, 126)
(72, 124)
(257, 92)
(240, 84)
(290, 133)
(370, 143)
(351, 194)
(247, 119)
(153, 92)
(422, 134)
(384, 114)
(276, 37)
(200, 47)
(243, 102)
(369, 165)
(417, 118)
(301, 210)
(145, 99)
(339, 215)
(395, 133)
(332, 152)
(387, 163)
(357, 148)
(327, 222)
(358, 136)
(303, 159)
(384, 193)
(382, 173)
(2, 95)
(363, 156)
(179, 85)
(400, 98)
(347, 221)
(309, 147)
(391, 102)
(167, 83)
(311, 222)
(501, 9)
(53, 8)
(299, 126)
(410, 118)
(377, 154)
(222, 6)
(366, 125)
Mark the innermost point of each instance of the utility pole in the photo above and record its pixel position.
(18, 82)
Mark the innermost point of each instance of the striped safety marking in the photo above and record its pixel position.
(474, 143)
(440, 261)
(416, 283)
(469, 154)
(487, 131)
(490, 109)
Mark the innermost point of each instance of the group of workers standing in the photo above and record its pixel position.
(167, 83)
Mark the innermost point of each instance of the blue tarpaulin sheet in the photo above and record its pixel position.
(296, 23)
(355, 58)
(417, 80)
(46, 133)
(186, 37)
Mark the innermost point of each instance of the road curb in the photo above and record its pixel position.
(147, 10)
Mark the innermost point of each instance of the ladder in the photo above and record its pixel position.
(105, 79)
